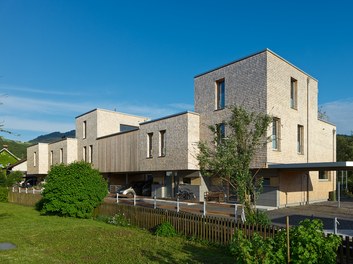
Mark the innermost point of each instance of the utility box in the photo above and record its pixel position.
(332, 196)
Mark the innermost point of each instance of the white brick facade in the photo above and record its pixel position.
(261, 82)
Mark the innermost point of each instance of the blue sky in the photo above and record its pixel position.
(59, 59)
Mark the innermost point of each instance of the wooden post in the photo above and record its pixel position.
(288, 244)
(117, 197)
(204, 207)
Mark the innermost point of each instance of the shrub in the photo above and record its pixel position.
(308, 244)
(119, 220)
(14, 177)
(73, 190)
(253, 250)
(165, 229)
(4, 194)
(257, 217)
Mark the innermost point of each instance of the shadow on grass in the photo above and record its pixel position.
(193, 254)
(5, 215)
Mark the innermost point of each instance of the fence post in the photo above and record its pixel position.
(13, 189)
(288, 244)
(26, 190)
(204, 207)
(155, 202)
(19, 189)
(178, 205)
(339, 194)
(134, 199)
(335, 225)
(117, 197)
(235, 212)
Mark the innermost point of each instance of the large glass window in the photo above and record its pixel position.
(84, 154)
(293, 93)
(162, 143)
(220, 94)
(221, 132)
(300, 139)
(61, 155)
(90, 153)
(51, 157)
(84, 129)
(324, 175)
(149, 145)
(276, 133)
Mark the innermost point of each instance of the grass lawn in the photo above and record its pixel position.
(51, 239)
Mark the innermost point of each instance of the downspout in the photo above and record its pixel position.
(307, 138)
(334, 158)
(307, 119)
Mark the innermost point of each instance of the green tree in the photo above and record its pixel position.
(230, 158)
(73, 190)
(345, 153)
(14, 177)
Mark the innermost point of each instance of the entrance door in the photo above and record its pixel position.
(168, 184)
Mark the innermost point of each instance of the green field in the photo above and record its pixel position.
(52, 239)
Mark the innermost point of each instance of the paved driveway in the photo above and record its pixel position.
(326, 211)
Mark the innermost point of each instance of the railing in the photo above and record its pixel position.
(27, 190)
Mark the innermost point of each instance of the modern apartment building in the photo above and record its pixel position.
(298, 165)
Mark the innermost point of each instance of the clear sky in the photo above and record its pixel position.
(59, 59)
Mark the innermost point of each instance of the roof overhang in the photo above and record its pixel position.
(314, 166)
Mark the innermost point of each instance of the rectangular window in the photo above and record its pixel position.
(84, 129)
(220, 132)
(51, 157)
(61, 155)
(293, 93)
(84, 156)
(276, 125)
(35, 159)
(90, 153)
(220, 94)
(162, 143)
(300, 139)
(149, 145)
(324, 175)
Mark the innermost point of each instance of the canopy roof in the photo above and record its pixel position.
(314, 166)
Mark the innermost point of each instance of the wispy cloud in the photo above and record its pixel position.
(13, 104)
(182, 106)
(15, 123)
(8, 87)
(341, 114)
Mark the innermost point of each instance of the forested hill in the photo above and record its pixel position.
(55, 136)
(16, 147)
(19, 148)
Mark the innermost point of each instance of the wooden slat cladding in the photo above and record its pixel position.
(118, 153)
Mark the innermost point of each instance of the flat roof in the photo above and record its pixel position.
(252, 55)
(110, 111)
(314, 166)
(169, 116)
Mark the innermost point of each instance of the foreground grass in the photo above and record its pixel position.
(44, 239)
